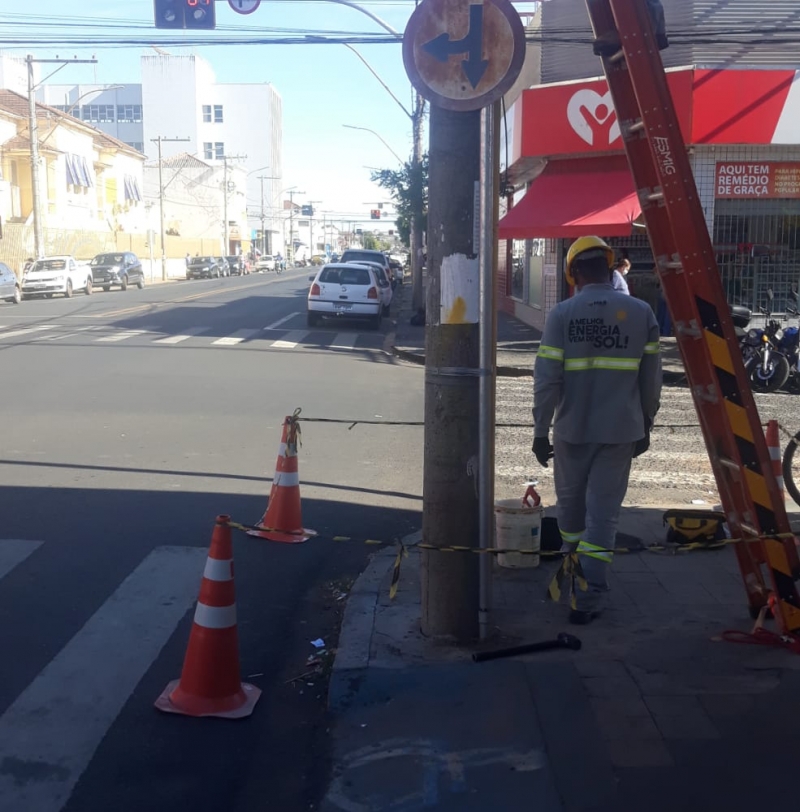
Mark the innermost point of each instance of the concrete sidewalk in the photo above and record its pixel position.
(656, 712)
(517, 343)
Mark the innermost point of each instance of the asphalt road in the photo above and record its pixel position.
(129, 421)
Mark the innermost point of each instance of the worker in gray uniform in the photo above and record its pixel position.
(598, 373)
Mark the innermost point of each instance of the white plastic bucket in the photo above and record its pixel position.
(517, 526)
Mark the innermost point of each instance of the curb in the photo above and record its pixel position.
(358, 624)
(669, 376)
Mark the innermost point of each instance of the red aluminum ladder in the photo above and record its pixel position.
(700, 313)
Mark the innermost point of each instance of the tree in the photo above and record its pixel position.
(369, 242)
(408, 187)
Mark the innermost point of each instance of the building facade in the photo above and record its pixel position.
(739, 109)
(179, 97)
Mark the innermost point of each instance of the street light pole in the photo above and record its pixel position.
(158, 141)
(292, 193)
(33, 133)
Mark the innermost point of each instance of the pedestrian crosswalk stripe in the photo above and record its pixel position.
(290, 341)
(279, 322)
(14, 552)
(27, 331)
(49, 734)
(236, 338)
(190, 333)
(344, 341)
(125, 334)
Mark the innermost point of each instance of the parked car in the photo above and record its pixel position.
(60, 274)
(368, 255)
(384, 285)
(236, 265)
(345, 291)
(9, 285)
(266, 262)
(398, 274)
(224, 267)
(119, 269)
(203, 267)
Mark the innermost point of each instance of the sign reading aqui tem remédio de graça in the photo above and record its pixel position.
(768, 179)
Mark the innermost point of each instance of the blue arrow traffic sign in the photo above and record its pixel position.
(442, 47)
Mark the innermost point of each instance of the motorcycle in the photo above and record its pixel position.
(789, 345)
(767, 365)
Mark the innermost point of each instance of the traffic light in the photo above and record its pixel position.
(200, 14)
(375, 214)
(169, 13)
(307, 210)
(184, 13)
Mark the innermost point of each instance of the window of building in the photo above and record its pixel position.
(207, 113)
(217, 114)
(219, 150)
(137, 145)
(129, 113)
(208, 150)
(95, 113)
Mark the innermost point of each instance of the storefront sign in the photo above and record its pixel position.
(768, 179)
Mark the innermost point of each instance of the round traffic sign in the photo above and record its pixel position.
(244, 6)
(461, 55)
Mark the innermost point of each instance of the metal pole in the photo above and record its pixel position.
(161, 214)
(33, 131)
(417, 294)
(486, 388)
(450, 583)
(263, 225)
(291, 226)
(225, 206)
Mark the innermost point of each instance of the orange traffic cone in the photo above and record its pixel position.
(774, 446)
(283, 520)
(209, 683)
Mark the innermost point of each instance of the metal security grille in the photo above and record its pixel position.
(757, 244)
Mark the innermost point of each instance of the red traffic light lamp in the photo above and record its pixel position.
(200, 14)
(375, 214)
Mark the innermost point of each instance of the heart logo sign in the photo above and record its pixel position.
(593, 118)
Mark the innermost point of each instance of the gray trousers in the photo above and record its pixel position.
(591, 480)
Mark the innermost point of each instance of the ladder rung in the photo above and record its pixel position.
(748, 530)
(617, 57)
(665, 264)
(655, 197)
(726, 463)
(706, 393)
(636, 127)
(690, 330)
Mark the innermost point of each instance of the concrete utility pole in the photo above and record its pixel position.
(418, 202)
(161, 203)
(33, 132)
(225, 233)
(262, 178)
(311, 229)
(450, 488)
(292, 193)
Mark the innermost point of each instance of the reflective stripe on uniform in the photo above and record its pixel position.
(571, 538)
(593, 551)
(553, 353)
(582, 364)
(652, 348)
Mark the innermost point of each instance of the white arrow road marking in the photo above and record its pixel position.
(50, 733)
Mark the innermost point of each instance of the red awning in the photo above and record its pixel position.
(573, 198)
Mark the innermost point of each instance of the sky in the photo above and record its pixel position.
(323, 86)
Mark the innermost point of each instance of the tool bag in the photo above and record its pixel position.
(694, 526)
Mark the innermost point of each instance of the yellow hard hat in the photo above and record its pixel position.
(580, 246)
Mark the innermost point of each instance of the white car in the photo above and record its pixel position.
(384, 283)
(265, 263)
(344, 291)
(52, 275)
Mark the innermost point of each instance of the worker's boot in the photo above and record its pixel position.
(583, 617)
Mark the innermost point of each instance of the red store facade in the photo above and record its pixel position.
(566, 162)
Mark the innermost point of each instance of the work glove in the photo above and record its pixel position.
(640, 446)
(542, 450)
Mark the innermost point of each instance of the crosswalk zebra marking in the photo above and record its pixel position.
(290, 340)
(190, 333)
(237, 338)
(27, 331)
(50, 733)
(124, 335)
(344, 341)
(279, 322)
(13, 552)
